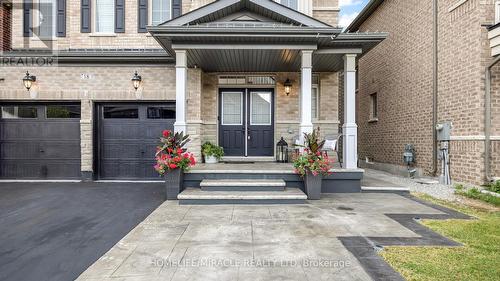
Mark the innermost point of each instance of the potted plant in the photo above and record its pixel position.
(213, 153)
(172, 160)
(312, 164)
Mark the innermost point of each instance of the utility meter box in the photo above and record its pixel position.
(443, 131)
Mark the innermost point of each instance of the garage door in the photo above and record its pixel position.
(40, 141)
(128, 136)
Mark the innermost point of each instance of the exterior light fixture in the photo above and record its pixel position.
(136, 81)
(28, 80)
(288, 86)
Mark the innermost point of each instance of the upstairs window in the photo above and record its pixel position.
(105, 16)
(293, 4)
(47, 18)
(161, 11)
(497, 12)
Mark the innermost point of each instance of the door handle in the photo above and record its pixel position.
(41, 150)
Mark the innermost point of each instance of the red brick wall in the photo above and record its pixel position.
(5, 27)
(399, 70)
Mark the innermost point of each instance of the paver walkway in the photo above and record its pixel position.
(255, 242)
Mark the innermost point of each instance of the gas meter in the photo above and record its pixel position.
(409, 154)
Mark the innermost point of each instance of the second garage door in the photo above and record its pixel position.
(128, 136)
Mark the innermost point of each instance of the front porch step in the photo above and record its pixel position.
(242, 185)
(196, 196)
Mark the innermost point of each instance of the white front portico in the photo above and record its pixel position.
(233, 58)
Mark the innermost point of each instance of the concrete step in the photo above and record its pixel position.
(242, 185)
(196, 196)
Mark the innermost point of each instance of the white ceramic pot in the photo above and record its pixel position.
(211, 159)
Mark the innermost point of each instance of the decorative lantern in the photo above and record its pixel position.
(136, 81)
(282, 151)
(28, 80)
(288, 86)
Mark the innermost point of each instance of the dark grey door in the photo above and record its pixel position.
(260, 108)
(246, 122)
(232, 121)
(128, 136)
(40, 141)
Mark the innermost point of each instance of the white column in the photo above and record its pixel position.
(180, 91)
(306, 125)
(350, 129)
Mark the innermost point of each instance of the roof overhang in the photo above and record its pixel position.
(269, 38)
(363, 15)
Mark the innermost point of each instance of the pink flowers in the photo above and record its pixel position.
(315, 163)
(170, 155)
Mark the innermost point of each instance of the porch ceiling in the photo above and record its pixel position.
(259, 60)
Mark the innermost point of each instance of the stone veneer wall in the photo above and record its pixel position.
(64, 83)
(286, 107)
(403, 83)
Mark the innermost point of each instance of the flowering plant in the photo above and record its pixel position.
(171, 155)
(312, 159)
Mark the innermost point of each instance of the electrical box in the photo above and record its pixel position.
(443, 131)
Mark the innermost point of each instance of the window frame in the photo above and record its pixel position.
(316, 81)
(94, 19)
(373, 107)
(150, 11)
(35, 17)
(497, 12)
(288, 2)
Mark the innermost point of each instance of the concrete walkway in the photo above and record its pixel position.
(258, 242)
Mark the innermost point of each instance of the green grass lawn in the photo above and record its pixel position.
(478, 259)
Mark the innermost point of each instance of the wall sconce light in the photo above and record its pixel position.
(288, 86)
(136, 81)
(28, 80)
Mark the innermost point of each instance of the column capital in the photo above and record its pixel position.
(350, 62)
(306, 58)
(180, 58)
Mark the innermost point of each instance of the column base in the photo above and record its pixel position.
(304, 128)
(180, 127)
(350, 145)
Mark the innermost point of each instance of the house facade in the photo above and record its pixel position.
(215, 70)
(395, 93)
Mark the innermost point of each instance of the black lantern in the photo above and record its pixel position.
(28, 80)
(288, 86)
(282, 151)
(136, 81)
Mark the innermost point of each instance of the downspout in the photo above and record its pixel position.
(487, 120)
(434, 84)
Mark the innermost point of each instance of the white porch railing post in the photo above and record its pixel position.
(306, 125)
(350, 128)
(180, 91)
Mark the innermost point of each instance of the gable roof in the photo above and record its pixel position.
(363, 15)
(267, 8)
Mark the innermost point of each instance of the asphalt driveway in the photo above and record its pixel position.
(54, 231)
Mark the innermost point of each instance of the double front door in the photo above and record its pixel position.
(246, 122)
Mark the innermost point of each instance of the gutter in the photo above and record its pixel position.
(487, 120)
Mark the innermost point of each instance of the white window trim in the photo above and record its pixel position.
(497, 12)
(36, 19)
(96, 33)
(270, 109)
(150, 11)
(241, 111)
